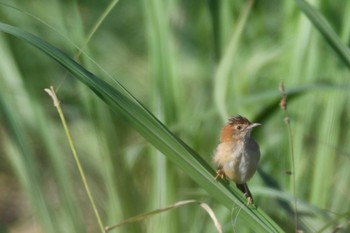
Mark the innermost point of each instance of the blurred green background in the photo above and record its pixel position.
(193, 64)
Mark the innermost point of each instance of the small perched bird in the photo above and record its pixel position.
(238, 154)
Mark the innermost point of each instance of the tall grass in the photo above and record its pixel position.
(190, 65)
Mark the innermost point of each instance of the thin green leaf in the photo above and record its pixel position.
(156, 133)
(326, 30)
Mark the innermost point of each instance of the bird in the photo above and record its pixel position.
(237, 154)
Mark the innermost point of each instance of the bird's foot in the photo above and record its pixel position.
(247, 194)
(220, 174)
(250, 200)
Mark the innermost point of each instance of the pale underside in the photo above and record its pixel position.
(237, 161)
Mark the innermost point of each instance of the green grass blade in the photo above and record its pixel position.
(224, 69)
(25, 167)
(156, 133)
(326, 30)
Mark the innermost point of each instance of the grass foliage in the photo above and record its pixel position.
(145, 102)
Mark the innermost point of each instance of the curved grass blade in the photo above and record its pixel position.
(326, 30)
(156, 133)
(179, 204)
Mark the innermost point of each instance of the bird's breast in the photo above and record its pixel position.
(238, 162)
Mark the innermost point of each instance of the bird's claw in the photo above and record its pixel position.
(250, 201)
(220, 174)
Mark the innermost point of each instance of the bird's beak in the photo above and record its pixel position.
(253, 125)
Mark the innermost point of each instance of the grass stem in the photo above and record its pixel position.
(56, 104)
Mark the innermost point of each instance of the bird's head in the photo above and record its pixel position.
(237, 128)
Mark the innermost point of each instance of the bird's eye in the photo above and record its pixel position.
(239, 127)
